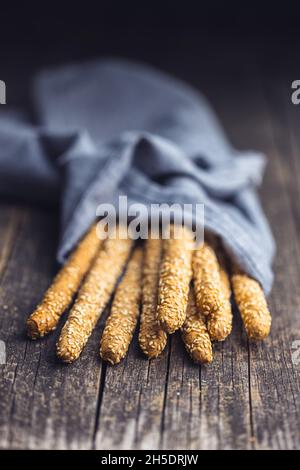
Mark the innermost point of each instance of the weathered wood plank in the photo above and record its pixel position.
(286, 131)
(43, 404)
(249, 396)
(132, 402)
(9, 220)
(274, 380)
(208, 407)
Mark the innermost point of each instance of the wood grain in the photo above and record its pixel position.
(248, 398)
(43, 403)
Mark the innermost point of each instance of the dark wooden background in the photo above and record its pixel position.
(249, 397)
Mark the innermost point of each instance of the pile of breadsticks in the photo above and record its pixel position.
(166, 285)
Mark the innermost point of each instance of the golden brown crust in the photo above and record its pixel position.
(252, 305)
(92, 298)
(65, 285)
(225, 279)
(207, 280)
(152, 338)
(220, 322)
(174, 281)
(195, 335)
(212, 290)
(122, 320)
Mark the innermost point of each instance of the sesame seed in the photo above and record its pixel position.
(93, 296)
(121, 322)
(194, 333)
(174, 280)
(252, 305)
(152, 338)
(66, 283)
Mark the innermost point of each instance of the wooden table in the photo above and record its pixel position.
(249, 397)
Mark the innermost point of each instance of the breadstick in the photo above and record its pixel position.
(225, 279)
(66, 283)
(207, 280)
(174, 281)
(122, 320)
(252, 305)
(152, 338)
(194, 333)
(92, 298)
(219, 323)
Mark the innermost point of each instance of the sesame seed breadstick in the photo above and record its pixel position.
(216, 245)
(220, 321)
(225, 279)
(174, 281)
(92, 298)
(122, 320)
(152, 338)
(252, 305)
(194, 333)
(66, 283)
(207, 280)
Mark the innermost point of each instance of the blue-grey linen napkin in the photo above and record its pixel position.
(111, 128)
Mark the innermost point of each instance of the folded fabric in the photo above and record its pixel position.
(113, 128)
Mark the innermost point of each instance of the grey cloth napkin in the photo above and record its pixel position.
(111, 128)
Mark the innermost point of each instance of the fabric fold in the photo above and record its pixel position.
(112, 128)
